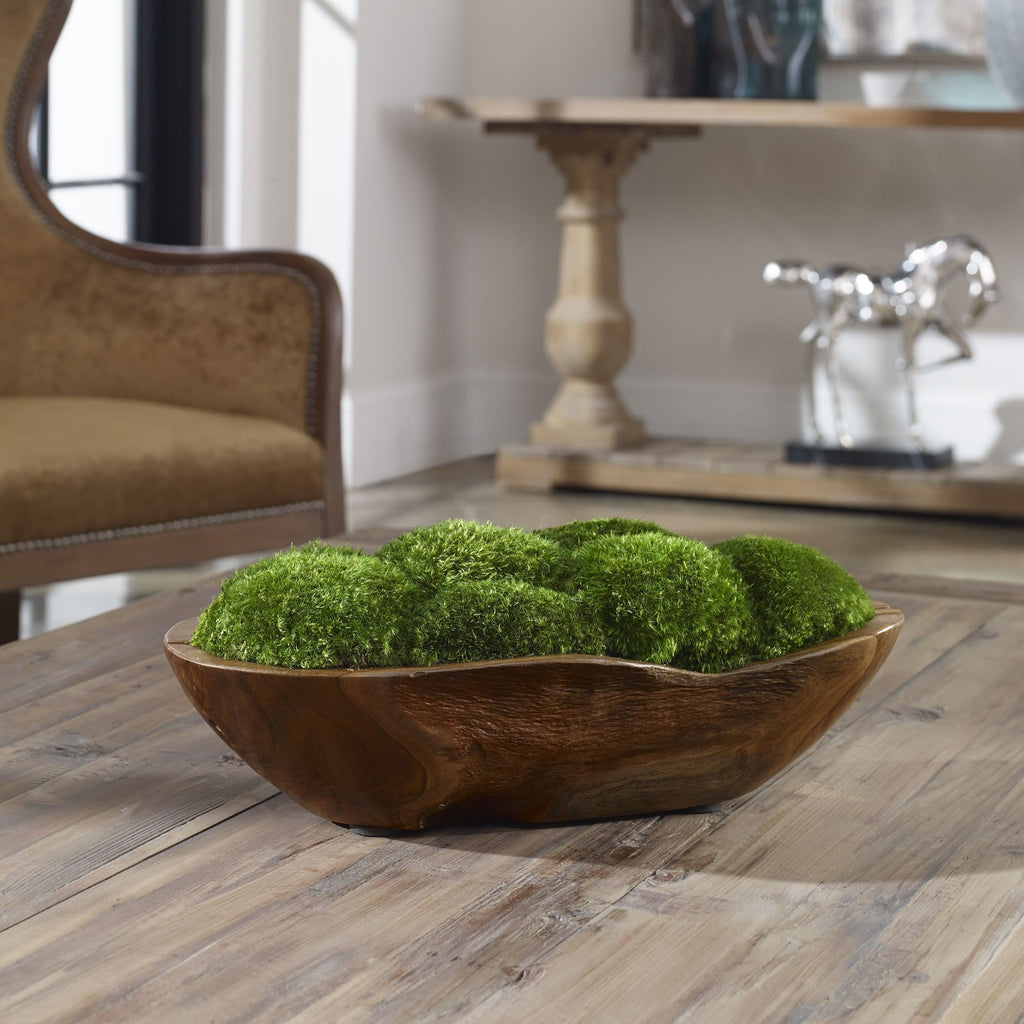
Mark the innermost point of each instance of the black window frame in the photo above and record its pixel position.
(168, 121)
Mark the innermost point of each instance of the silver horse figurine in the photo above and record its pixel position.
(912, 298)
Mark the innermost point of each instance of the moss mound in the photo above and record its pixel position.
(479, 620)
(312, 607)
(436, 556)
(581, 531)
(464, 591)
(797, 596)
(665, 599)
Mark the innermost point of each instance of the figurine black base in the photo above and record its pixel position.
(879, 458)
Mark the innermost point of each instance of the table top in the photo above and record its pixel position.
(148, 875)
(663, 114)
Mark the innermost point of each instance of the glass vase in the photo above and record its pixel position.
(675, 37)
(765, 49)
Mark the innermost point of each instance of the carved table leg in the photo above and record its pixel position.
(588, 333)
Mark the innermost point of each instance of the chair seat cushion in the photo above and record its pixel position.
(72, 465)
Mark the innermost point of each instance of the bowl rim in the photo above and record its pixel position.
(177, 642)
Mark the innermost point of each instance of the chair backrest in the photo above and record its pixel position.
(82, 315)
(257, 333)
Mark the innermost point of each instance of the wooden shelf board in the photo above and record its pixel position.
(758, 472)
(509, 114)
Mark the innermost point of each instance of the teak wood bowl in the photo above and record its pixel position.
(526, 739)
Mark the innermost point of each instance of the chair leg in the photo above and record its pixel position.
(10, 610)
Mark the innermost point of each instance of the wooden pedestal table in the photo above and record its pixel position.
(588, 331)
(587, 438)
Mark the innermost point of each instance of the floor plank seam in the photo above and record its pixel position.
(136, 863)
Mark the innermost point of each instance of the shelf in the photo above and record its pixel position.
(668, 115)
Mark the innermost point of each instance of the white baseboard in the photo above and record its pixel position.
(390, 432)
(722, 410)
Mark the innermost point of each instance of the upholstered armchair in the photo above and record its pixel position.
(158, 406)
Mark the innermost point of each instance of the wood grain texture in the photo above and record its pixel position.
(663, 113)
(527, 739)
(101, 755)
(879, 878)
(866, 892)
(758, 472)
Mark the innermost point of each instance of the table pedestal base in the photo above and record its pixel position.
(760, 472)
(590, 437)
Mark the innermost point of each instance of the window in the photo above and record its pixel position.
(119, 137)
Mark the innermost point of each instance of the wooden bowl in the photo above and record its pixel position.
(526, 739)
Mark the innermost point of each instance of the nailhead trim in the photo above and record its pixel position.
(149, 529)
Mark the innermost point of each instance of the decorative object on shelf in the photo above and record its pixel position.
(913, 297)
(753, 49)
(674, 38)
(765, 49)
(957, 85)
(1004, 35)
(922, 53)
(545, 676)
(871, 29)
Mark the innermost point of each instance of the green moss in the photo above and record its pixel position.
(579, 532)
(457, 549)
(462, 591)
(312, 607)
(478, 620)
(797, 596)
(665, 599)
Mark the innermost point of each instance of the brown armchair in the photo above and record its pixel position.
(158, 406)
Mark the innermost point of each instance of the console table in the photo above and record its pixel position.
(588, 330)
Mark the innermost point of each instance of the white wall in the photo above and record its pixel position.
(253, 104)
(323, 151)
(404, 408)
(446, 245)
